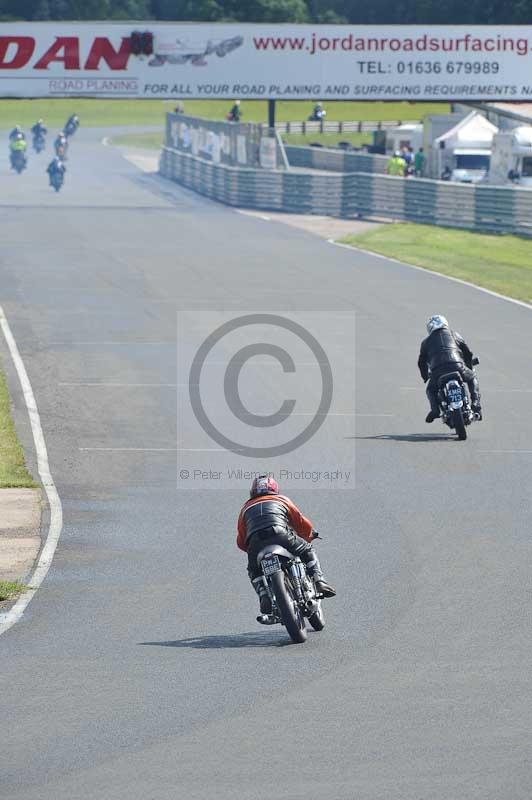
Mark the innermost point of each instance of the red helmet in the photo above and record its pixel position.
(264, 484)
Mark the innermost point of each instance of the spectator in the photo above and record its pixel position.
(396, 165)
(235, 114)
(180, 108)
(407, 155)
(446, 174)
(419, 163)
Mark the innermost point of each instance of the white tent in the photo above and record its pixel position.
(522, 140)
(474, 132)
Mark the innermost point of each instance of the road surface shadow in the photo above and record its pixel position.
(227, 641)
(410, 437)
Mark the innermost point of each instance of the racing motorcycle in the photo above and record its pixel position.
(71, 128)
(292, 592)
(18, 160)
(61, 150)
(39, 143)
(454, 403)
(56, 179)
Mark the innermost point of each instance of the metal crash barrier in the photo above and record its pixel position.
(344, 184)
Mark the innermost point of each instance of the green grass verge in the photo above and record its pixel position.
(9, 590)
(328, 139)
(13, 472)
(106, 113)
(153, 141)
(299, 110)
(500, 263)
(92, 113)
(148, 141)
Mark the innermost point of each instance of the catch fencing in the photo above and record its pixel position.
(327, 126)
(239, 144)
(230, 143)
(355, 194)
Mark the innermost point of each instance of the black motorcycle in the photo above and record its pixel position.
(71, 128)
(19, 161)
(39, 143)
(292, 593)
(454, 403)
(57, 179)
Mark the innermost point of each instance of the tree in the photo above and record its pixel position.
(59, 9)
(267, 10)
(42, 11)
(90, 9)
(193, 10)
(378, 12)
(131, 9)
(324, 11)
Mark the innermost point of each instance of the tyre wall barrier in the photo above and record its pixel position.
(355, 194)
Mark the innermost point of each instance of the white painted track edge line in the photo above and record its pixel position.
(44, 561)
(433, 272)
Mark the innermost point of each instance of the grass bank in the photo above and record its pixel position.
(13, 472)
(500, 263)
(106, 113)
(9, 590)
(148, 141)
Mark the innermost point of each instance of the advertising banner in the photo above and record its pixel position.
(233, 61)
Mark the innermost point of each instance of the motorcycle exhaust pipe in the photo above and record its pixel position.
(311, 607)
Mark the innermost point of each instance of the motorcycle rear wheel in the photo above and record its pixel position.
(291, 617)
(459, 425)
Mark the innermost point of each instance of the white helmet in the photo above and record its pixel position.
(436, 322)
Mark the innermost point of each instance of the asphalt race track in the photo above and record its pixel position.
(138, 671)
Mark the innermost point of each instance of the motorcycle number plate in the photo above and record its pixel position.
(455, 395)
(271, 565)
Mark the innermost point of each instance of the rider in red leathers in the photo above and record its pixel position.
(270, 518)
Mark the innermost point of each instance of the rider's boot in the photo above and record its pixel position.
(315, 572)
(264, 597)
(475, 400)
(434, 412)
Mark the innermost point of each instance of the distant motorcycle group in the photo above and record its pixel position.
(56, 168)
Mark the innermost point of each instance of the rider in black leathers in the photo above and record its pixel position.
(71, 125)
(441, 352)
(55, 166)
(39, 129)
